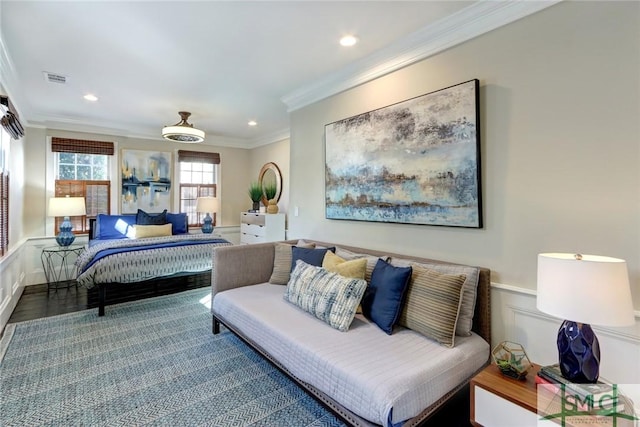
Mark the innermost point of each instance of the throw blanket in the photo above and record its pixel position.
(135, 260)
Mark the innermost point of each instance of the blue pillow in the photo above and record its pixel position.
(179, 223)
(382, 301)
(308, 255)
(113, 226)
(144, 218)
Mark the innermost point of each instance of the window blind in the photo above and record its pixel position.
(82, 146)
(198, 157)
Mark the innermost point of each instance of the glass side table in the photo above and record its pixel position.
(58, 265)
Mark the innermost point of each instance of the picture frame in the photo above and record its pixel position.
(414, 162)
(145, 181)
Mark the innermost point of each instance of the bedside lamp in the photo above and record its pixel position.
(584, 290)
(207, 205)
(66, 207)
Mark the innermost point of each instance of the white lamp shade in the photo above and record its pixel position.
(66, 206)
(593, 290)
(207, 204)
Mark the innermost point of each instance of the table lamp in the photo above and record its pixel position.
(207, 205)
(66, 207)
(584, 290)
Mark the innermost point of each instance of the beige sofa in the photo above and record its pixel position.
(336, 367)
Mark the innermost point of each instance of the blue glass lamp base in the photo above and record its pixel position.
(579, 352)
(65, 237)
(207, 224)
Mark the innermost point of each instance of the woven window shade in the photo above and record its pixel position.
(96, 195)
(82, 146)
(198, 157)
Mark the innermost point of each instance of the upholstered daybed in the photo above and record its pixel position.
(365, 375)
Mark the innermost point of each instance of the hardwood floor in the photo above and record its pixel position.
(36, 302)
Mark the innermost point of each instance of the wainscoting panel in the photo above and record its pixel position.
(515, 318)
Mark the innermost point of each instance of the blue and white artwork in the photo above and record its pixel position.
(415, 162)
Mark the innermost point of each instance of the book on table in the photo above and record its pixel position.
(597, 390)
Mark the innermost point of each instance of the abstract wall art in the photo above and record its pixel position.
(146, 181)
(415, 162)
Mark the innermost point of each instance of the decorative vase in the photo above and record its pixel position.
(273, 207)
(256, 206)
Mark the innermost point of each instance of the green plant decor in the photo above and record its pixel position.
(270, 191)
(255, 192)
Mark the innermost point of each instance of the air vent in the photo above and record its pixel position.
(54, 78)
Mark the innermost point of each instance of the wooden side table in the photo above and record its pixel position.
(497, 400)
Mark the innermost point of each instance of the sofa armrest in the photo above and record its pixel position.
(243, 265)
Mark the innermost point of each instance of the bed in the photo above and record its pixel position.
(128, 255)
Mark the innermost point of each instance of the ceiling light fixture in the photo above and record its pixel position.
(90, 97)
(252, 123)
(183, 131)
(348, 40)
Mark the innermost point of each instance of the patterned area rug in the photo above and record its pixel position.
(150, 362)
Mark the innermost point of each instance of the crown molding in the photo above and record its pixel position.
(269, 139)
(472, 21)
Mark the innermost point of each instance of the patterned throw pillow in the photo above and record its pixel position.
(355, 268)
(469, 289)
(382, 301)
(282, 262)
(143, 218)
(372, 260)
(432, 304)
(328, 296)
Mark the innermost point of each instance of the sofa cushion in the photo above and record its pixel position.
(282, 261)
(383, 299)
(329, 296)
(144, 218)
(432, 304)
(141, 231)
(469, 289)
(355, 268)
(310, 256)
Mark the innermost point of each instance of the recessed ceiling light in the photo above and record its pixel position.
(348, 40)
(252, 123)
(91, 97)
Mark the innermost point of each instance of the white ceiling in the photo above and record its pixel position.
(227, 62)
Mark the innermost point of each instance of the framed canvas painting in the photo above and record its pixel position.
(415, 162)
(146, 181)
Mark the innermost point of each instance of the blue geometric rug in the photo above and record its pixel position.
(149, 362)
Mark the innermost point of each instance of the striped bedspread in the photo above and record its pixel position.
(135, 260)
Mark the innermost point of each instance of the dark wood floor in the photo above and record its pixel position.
(36, 302)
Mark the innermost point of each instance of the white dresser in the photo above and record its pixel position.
(261, 227)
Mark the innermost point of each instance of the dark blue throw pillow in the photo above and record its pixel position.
(179, 223)
(310, 256)
(382, 301)
(144, 218)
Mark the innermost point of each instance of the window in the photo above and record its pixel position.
(198, 177)
(82, 170)
(5, 139)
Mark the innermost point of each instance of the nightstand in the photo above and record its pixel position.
(57, 262)
(497, 400)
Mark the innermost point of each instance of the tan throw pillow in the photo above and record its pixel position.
(372, 260)
(282, 262)
(355, 268)
(432, 304)
(151, 230)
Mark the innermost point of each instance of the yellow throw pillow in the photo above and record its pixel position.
(152, 230)
(354, 269)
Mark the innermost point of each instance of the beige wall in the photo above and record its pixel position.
(278, 153)
(233, 175)
(560, 130)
